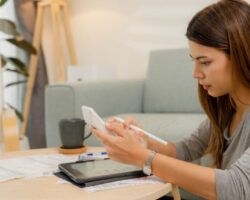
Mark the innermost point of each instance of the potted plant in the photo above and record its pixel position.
(12, 64)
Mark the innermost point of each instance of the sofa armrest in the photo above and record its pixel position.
(107, 98)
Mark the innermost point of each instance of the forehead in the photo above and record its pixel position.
(198, 50)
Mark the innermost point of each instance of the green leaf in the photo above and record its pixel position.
(18, 113)
(23, 44)
(18, 72)
(2, 2)
(8, 27)
(15, 83)
(19, 65)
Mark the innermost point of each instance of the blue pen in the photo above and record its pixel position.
(93, 156)
(96, 153)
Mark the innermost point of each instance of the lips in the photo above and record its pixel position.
(206, 87)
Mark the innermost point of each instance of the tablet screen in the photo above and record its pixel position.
(97, 169)
(100, 168)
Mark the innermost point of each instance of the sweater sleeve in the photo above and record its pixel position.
(194, 147)
(234, 183)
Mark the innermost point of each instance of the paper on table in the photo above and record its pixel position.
(125, 183)
(33, 166)
(6, 175)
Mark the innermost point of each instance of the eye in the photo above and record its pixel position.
(205, 63)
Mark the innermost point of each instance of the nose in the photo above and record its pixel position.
(197, 73)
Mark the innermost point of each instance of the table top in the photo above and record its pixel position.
(48, 188)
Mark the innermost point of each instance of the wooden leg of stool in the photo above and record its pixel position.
(32, 68)
(69, 39)
(58, 44)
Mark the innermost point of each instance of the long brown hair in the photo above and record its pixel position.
(224, 25)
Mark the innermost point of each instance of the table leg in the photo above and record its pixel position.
(176, 193)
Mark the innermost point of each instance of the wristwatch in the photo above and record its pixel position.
(147, 168)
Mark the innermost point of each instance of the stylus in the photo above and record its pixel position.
(145, 132)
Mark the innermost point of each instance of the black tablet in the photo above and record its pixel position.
(99, 171)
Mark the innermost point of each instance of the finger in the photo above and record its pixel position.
(110, 120)
(140, 134)
(109, 125)
(131, 121)
(117, 128)
(136, 123)
(104, 137)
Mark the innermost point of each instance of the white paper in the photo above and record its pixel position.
(125, 183)
(6, 175)
(33, 166)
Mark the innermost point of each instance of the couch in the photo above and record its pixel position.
(165, 102)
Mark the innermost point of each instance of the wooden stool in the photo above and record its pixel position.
(57, 7)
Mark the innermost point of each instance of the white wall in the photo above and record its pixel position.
(120, 33)
(7, 12)
(9, 94)
(117, 35)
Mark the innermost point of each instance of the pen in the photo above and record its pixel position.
(96, 153)
(93, 156)
(145, 132)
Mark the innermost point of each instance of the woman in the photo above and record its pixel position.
(219, 43)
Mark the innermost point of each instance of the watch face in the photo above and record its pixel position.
(146, 170)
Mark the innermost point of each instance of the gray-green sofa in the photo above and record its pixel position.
(166, 102)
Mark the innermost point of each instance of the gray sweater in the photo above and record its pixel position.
(233, 179)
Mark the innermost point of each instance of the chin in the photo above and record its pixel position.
(213, 95)
(216, 93)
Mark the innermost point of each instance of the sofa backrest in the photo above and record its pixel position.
(170, 78)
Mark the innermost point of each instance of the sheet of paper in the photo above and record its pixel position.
(125, 183)
(33, 166)
(6, 175)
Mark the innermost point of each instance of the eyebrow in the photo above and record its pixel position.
(197, 58)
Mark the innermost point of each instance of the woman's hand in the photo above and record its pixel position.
(124, 145)
(132, 121)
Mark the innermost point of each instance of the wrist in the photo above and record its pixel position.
(142, 157)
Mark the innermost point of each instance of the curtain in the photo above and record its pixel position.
(26, 15)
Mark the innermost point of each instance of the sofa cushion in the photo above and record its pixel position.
(170, 127)
(169, 85)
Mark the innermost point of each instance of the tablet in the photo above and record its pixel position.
(93, 119)
(99, 171)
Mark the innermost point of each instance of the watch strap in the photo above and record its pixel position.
(150, 158)
(147, 168)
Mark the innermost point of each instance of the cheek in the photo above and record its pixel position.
(221, 73)
(226, 76)
(220, 79)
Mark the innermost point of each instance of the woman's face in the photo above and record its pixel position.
(212, 69)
